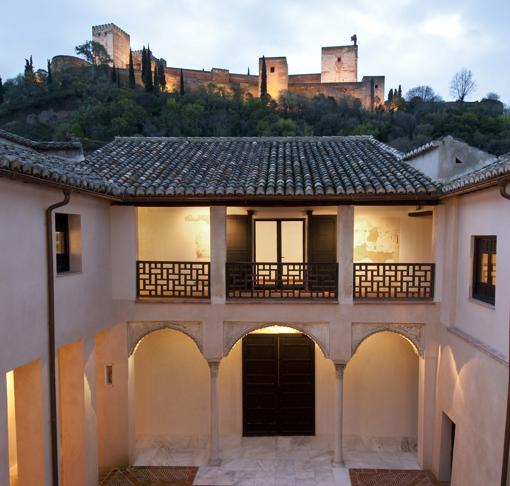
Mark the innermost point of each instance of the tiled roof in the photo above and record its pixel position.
(427, 147)
(39, 146)
(298, 168)
(52, 168)
(498, 167)
(251, 167)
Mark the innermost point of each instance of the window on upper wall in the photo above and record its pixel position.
(68, 242)
(484, 269)
(272, 69)
(62, 242)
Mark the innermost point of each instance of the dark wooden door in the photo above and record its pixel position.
(278, 385)
(239, 238)
(322, 239)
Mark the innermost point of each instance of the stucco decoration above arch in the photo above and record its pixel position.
(235, 330)
(138, 330)
(411, 331)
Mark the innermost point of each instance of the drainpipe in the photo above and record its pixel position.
(506, 447)
(51, 334)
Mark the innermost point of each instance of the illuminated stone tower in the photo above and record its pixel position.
(115, 41)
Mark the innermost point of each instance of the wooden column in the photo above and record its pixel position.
(338, 458)
(214, 439)
(345, 248)
(218, 253)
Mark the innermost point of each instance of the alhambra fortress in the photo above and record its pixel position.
(338, 76)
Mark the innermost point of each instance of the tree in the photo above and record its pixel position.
(155, 81)
(49, 78)
(248, 70)
(492, 96)
(181, 84)
(263, 80)
(132, 82)
(1, 92)
(94, 53)
(399, 91)
(425, 93)
(462, 85)
(390, 95)
(148, 82)
(161, 76)
(29, 70)
(144, 66)
(113, 78)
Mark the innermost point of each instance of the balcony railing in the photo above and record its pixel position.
(248, 280)
(394, 281)
(158, 279)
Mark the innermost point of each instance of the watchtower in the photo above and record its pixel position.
(339, 64)
(115, 41)
(277, 71)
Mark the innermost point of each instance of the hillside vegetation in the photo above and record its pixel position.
(96, 105)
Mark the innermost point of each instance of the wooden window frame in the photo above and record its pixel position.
(484, 291)
(63, 258)
(279, 236)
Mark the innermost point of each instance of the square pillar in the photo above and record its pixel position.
(131, 410)
(124, 251)
(345, 248)
(89, 398)
(4, 443)
(218, 253)
(30, 429)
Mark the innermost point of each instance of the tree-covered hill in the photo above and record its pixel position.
(97, 104)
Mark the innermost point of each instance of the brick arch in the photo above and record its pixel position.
(411, 332)
(234, 331)
(138, 330)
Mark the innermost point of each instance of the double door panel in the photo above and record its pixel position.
(278, 385)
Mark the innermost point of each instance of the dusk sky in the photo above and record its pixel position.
(410, 42)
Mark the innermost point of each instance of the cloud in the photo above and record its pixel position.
(445, 26)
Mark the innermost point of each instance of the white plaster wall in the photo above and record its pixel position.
(412, 235)
(484, 213)
(171, 387)
(83, 300)
(381, 393)
(175, 234)
(471, 390)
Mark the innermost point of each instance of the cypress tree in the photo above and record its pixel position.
(132, 82)
(162, 77)
(114, 75)
(390, 94)
(155, 81)
(29, 69)
(149, 86)
(1, 92)
(144, 66)
(49, 79)
(181, 86)
(263, 80)
(399, 91)
(248, 70)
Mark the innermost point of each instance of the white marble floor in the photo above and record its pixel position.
(267, 461)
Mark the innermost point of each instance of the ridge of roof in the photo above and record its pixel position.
(36, 145)
(494, 169)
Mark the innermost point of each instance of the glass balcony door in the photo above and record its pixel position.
(279, 241)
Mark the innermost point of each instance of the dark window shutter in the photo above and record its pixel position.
(239, 238)
(322, 239)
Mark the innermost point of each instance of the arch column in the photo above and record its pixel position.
(214, 438)
(338, 458)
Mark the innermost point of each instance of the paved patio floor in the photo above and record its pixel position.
(268, 461)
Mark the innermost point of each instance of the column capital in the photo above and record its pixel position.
(339, 368)
(214, 365)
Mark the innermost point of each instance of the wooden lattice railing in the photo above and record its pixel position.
(282, 280)
(395, 281)
(160, 279)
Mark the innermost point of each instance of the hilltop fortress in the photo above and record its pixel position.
(338, 77)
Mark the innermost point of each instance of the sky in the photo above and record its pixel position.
(410, 42)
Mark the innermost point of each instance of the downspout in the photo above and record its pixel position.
(51, 335)
(506, 446)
